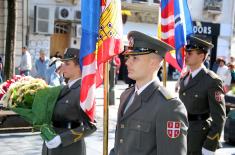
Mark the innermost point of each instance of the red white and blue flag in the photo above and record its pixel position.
(176, 25)
(101, 40)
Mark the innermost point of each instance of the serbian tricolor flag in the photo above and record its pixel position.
(176, 25)
(101, 40)
(90, 15)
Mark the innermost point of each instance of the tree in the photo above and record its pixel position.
(9, 69)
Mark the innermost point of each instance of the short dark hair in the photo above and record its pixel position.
(75, 60)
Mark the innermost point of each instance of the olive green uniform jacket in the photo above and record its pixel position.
(155, 124)
(204, 95)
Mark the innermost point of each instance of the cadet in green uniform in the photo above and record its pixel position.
(202, 93)
(150, 120)
(69, 121)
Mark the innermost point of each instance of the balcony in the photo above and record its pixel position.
(213, 6)
(142, 12)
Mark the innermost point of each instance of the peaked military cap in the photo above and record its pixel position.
(71, 53)
(195, 43)
(140, 43)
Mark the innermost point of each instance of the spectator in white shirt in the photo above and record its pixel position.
(224, 74)
(25, 62)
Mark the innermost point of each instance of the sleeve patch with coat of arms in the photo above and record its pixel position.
(173, 129)
(218, 96)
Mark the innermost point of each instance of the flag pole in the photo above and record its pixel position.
(164, 77)
(106, 108)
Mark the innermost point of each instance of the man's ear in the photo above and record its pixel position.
(154, 61)
(203, 56)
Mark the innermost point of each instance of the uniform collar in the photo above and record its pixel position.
(71, 82)
(140, 90)
(195, 72)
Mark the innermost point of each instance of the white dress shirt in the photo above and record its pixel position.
(225, 75)
(71, 82)
(137, 91)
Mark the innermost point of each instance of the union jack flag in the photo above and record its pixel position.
(101, 40)
(176, 25)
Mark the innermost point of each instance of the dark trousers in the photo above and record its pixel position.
(194, 153)
(197, 133)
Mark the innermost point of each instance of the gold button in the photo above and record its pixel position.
(203, 128)
(196, 95)
(67, 101)
(138, 126)
(184, 94)
(121, 141)
(122, 126)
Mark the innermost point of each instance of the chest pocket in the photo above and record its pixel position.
(139, 131)
(139, 125)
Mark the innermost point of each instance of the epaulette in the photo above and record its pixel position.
(166, 93)
(213, 75)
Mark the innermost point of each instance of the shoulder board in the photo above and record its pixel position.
(213, 75)
(165, 93)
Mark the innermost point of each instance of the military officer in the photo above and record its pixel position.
(202, 93)
(69, 121)
(150, 120)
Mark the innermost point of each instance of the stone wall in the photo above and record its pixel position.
(19, 28)
(2, 25)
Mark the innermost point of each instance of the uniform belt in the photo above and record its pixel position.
(67, 125)
(198, 117)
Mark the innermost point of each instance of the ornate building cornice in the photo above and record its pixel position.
(142, 12)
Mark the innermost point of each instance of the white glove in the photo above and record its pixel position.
(207, 152)
(54, 143)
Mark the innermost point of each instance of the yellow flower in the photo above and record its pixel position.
(15, 96)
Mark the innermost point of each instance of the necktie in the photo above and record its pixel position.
(189, 78)
(130, 102)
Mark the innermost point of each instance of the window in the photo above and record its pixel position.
(215, 5)
(139, 0)
(156, 1)
(62, 28)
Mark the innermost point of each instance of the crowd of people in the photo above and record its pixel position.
(226, 72)
(46, 69)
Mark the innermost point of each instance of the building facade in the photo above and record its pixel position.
(51, 25)
(213, 20)
(54, 25)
